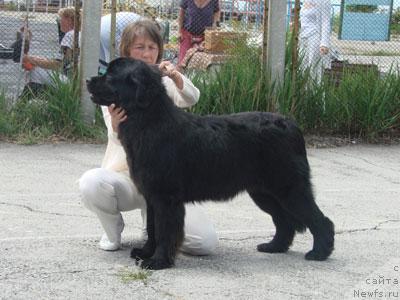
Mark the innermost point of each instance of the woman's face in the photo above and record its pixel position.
(144, 49)
(66, 24)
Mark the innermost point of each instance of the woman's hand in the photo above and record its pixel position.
(168, 69)
(118, 116)
(323, 50)
(27, 62)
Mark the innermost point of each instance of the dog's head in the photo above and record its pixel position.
(128, 83)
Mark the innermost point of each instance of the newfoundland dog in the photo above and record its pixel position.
(176, 157)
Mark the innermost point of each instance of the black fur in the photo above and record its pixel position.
(176, 157)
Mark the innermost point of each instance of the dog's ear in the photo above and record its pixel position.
(144, 87)
(142, 97)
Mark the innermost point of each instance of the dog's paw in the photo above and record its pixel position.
(155, 264)
(140, 254)
(272, 248)
(316, 255)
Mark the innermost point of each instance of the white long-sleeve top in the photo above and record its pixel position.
(115, 158)
(315, 21)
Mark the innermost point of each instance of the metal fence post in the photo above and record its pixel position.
(90, 48)
(276, 38)
(113, 29)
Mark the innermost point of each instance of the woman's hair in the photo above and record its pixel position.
(69, 12)
(143, 27)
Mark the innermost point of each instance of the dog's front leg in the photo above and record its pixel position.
(169, 215)
(149, 247)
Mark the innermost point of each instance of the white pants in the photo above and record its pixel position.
(107, 193)
(312, 58)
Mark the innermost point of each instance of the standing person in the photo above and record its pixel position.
(315, 36)
(41, 67)
(194, 17)
(123, 19)
(109, 190)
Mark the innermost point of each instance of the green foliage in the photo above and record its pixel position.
(395, 28)
(11, 6)
(128, 276)
(361, 8)
(396, 16)
(364, 104)
(336, 23)
(395, 22)
(53, 114)
(238, 85)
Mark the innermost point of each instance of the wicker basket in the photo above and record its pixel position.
(218, 40)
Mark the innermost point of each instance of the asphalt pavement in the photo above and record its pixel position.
(48, 240)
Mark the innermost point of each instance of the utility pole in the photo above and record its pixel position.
(276, 40)
(90, 48)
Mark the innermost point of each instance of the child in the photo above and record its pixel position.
(41, 68)
(109, 190)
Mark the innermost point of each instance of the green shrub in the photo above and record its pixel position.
(238, 85)
(56, 112)
(364, 8)
(363, 105)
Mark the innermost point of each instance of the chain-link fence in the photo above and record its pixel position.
(199, 34)
(40, 19)
(194, 37)
(349, 32)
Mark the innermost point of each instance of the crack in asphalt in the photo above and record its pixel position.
(41, 211)
(376, 227)
(17, 205)
(366, 161)
(47, 274)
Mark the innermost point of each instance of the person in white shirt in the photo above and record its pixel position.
(109, 190)
(40, 67)
(315, 36)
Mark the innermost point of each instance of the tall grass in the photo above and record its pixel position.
(364, 104)
(238, 85)
(54, 113)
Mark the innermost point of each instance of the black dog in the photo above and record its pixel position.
(176, 157)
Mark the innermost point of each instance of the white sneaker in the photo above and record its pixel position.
(106, 245)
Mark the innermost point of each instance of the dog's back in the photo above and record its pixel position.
(218, 156)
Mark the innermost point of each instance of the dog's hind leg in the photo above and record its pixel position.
(169, 215)
(285, 230)
(299, 202)
(149, 247)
